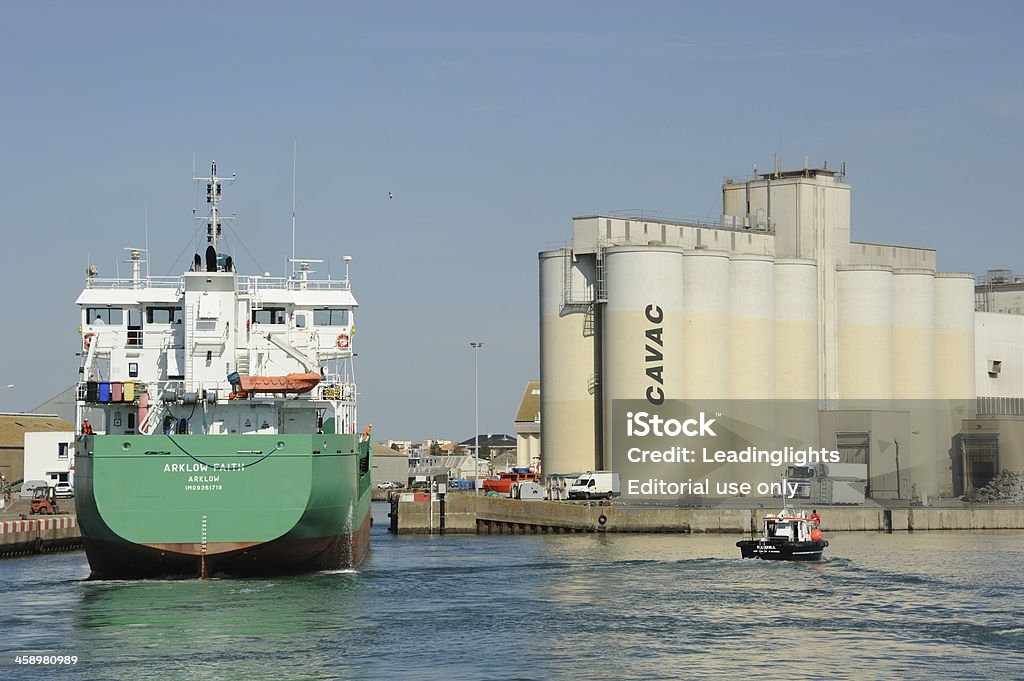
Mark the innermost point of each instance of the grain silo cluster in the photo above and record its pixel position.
(770, 302)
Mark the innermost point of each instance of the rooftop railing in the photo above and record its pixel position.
(246, 284)
(731, 222)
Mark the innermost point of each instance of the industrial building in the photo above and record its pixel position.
(774, 305)
(14, 428)
(527, 426)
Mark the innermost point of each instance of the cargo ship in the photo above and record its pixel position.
(217, 419)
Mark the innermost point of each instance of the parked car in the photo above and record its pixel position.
(388, 485)
(64, 490)
(29, 487)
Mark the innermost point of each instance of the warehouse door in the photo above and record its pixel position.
(981, 459)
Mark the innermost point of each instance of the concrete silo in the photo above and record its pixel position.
(751, 360)
(954, 335)
(796, 329)
(641, 328)
(751, 327)
(954, 368)
(913, 348)
(913, 334)
(864, 344)
(567, 362)
(705, 340)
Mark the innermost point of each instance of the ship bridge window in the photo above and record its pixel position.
(331, 317)
(134, 326)
(104, 315)
(163, 315)
(268, 315)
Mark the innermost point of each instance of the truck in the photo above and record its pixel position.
(595, 485)
(829, 483)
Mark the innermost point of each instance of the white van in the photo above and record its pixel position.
(28, 487)
(595, 485)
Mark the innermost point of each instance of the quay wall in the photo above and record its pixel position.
(39, 535)
(464, 513)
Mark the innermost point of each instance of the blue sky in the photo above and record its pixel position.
(492, 125)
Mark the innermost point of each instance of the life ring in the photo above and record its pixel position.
(343, 341)
(87, 339)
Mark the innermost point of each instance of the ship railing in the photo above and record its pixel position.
(336, 391)
(145, 282)
(253, 285)
(249, 284)
(107, 338)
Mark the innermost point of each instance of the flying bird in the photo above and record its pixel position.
(390, 196)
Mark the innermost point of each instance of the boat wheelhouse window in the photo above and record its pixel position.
(268, 315)
(330, 317)
(163, 315)
(300, 321)
(104, 315)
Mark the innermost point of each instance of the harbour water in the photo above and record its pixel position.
(929, 605)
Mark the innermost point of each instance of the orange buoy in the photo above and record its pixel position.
(816, 534)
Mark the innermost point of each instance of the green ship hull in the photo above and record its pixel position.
(207, 505)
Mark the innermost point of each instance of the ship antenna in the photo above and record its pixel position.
(213, 186)
(146, 212)
(295, 154)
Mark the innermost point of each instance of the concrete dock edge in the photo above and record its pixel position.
(39, 535)
(467, 514)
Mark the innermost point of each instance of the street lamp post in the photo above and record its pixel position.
(476, 345)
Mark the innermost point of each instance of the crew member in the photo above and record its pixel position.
(366, 433)
(86, 427)
(815, 518)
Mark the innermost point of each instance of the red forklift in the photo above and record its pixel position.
(44, 501)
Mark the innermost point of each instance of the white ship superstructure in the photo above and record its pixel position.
(216, 352)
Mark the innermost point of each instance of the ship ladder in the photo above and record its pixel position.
(154, 416)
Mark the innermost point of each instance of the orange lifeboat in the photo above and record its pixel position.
(291, 383)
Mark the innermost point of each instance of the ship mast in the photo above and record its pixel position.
(213, 186)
